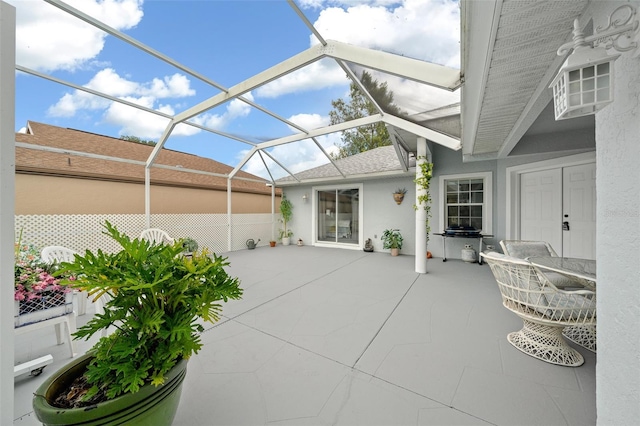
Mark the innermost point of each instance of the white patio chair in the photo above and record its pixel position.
(58, 254)
(156, 236)
(523, 249)
(544, 309)
(584, 336)
(51, 254)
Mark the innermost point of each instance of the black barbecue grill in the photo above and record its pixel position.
(462, 232)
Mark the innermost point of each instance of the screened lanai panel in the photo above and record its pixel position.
(408, 99)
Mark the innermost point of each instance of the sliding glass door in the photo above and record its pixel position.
(338, 217)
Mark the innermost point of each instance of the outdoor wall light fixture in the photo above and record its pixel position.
(305, 198)
(584, 83)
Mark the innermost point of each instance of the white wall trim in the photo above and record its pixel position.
(487, 219)
(513, 175)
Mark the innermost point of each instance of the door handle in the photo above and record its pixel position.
(565, 226)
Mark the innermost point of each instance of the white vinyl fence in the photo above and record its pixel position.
(82, 232)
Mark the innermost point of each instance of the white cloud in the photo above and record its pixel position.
(428, 30)
(309, 121)
(49, 39)
(316, 4)
(131, 120)
(109, 81)
(423, 29)
(135, 122)
(318, 75)
(175, 86)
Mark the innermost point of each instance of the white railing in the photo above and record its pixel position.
(81, 232)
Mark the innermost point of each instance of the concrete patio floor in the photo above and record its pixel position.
(341, 337)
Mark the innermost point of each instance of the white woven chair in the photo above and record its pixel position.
(156, 236)
(584, 336)
(523, 249)
(544, 309)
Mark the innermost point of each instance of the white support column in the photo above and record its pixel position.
(229, 216)
(7, 204)
(147, 196)
(273, 212)
(421, 214)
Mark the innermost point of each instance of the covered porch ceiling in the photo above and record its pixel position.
(426, 97)
(508, 61)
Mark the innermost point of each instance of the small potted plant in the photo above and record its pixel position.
(392, 239)
(157, 299)
(286, 210)
(399, 194)
(272, 243)
(189, 245)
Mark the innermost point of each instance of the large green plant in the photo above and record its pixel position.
(286, 211)
(156, 297)
(391, 238)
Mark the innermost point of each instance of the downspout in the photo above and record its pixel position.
(421, 214)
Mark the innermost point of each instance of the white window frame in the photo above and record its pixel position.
(314, 216)
(487, 198)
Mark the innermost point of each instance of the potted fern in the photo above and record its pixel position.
(392, 239)
(156, 298)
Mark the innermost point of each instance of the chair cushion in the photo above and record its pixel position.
(528, 249)
(560, 281)
(571, 307)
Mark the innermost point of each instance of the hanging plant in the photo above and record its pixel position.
(399, 194)
(424, 182)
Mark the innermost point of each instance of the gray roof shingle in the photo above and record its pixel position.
(383, 159)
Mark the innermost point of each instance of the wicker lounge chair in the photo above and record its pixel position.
(584, 336)
(544, 308)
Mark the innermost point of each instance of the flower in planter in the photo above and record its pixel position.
(33, 276)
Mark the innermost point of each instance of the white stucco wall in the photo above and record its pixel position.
(380, 211)
(618, 242)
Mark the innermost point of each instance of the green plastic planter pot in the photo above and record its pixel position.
(151, 405)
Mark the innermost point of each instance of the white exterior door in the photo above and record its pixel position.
(579, 211)
(541, 207)
(549, 198)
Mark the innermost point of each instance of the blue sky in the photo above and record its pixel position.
(228, 42)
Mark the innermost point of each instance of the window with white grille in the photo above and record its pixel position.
(465, 200)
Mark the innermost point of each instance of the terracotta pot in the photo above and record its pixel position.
(272, 243)
(398, 197)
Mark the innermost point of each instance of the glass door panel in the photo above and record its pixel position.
(326, 215)
(338, 219)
